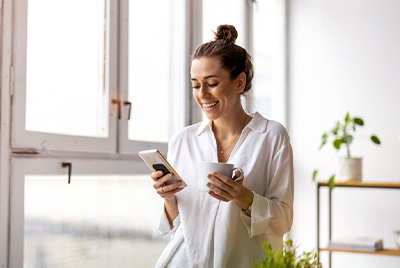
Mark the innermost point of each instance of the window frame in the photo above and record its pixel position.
(22, 166)
(125, 145)
(178, 86)
(22, 139)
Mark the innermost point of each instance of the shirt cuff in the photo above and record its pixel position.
(260, 215)
(163, 225)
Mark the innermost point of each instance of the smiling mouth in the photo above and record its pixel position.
(210, 105)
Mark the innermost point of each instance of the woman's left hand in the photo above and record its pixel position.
(228, 189)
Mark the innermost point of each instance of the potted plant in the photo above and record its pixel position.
(285, 257)
(350, 168)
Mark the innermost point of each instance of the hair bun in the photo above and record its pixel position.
(227, 33)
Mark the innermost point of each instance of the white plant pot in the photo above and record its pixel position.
(349, 169)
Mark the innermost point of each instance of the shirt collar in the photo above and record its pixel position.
(258, 124)
(204, 126)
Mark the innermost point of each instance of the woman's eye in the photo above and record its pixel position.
(195, 86)
(213, 85)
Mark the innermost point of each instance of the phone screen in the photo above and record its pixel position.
(161, 167)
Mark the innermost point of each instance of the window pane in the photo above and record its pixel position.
(96, 221)
(264, 52)
(150, 65)
(66, 89)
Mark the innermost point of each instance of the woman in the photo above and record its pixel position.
(226, 226)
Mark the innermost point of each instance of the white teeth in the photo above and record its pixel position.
(210, 104)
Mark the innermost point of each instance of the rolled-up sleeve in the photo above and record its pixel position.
(163, 225)
(273, 213)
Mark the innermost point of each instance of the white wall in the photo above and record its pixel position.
(345, 56)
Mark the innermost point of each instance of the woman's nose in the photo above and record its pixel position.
(203, 91)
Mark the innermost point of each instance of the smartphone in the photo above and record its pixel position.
(156, 162)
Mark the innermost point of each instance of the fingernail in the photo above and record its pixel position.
(215, 173)
(209, 176)
(179, 183)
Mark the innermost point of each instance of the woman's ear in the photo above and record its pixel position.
(241, 82)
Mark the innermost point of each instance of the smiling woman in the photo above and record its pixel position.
(235, 217)
(212, 87)
(221, 72)
(89, 81)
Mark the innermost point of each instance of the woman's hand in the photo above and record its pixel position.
(168, 193)
(165, 191)
(230, 190)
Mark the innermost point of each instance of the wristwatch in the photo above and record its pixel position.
(248, 210)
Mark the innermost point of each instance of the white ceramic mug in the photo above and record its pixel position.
(205, 168)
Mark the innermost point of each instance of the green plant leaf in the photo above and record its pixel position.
(347, 118)
(285, 257)
(337, 143)
(348, 139)
(324, 139)
(314, 175)
(358, 121)
(336, 129)
(375, 139)
(331, 182)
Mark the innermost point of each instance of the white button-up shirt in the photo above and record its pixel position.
(211, 233)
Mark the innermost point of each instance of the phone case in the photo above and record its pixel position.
(156, 161)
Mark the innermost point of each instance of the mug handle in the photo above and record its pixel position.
(241, 174)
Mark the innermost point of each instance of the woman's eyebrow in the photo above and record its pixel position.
(206, 77)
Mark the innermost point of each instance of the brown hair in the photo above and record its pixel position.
(234, 58)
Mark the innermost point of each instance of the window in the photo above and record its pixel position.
(149, 75)
(97, 220)
(269, 60)
(66, 91)
(152, 75)
(81, 82)
(63, 78)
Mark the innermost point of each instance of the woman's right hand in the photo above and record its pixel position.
(165, 191)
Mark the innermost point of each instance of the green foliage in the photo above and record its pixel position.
(342, 135)
(314, 175)
(285, 257)
(375, 139)
(331, 182)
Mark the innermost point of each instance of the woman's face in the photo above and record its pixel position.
(214, 91)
